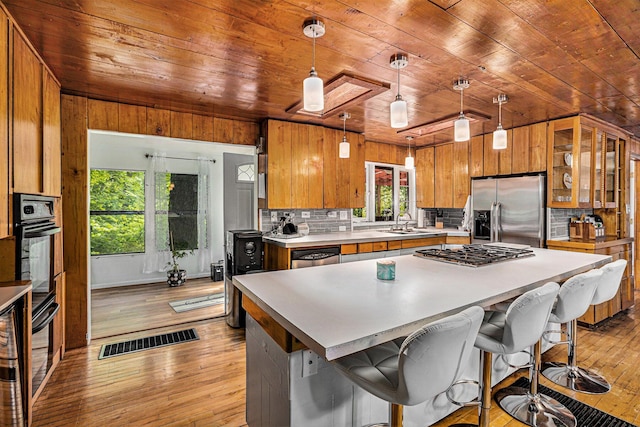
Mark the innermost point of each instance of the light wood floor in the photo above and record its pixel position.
(202, 383)
(121, 310)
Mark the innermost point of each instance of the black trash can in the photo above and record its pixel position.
(217, 271)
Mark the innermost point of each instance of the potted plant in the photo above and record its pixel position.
(176, 276)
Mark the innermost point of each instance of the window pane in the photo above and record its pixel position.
(177, 210)
(117, 212)
(245, 173)
(403, 197)
(383, 193)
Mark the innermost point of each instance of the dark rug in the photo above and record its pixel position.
(586, 416)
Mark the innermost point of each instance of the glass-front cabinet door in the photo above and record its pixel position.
(610, 171)
(563, 161)
(586, 162)
(598, 183)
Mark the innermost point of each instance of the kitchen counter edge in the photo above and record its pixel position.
(347, 237)
(10, 292)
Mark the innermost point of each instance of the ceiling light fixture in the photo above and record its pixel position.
(500, 135)
(398, 108)
(408, 161)
(344, 148)
(312, 88)
(461, 131)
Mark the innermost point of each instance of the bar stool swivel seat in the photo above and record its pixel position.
(568, 374)
(413, 370)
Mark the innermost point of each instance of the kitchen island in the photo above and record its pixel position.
(335, 310)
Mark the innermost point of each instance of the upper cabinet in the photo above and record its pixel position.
(585, 157)
(304, 170)
(5, 174)
(36, 123)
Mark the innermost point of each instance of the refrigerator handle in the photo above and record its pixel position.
(493, 224)
(498, 222)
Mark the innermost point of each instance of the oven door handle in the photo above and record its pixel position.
(53, 310)
(42, 232)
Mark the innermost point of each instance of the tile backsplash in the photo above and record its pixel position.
(559, 221)
(319, 220)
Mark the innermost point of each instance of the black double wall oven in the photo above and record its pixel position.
(35, 230)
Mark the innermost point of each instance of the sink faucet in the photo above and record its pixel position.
(406, 225)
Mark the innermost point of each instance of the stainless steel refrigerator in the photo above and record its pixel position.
(510, 210)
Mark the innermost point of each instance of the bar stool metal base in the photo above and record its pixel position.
(575, 378)
(535, 410)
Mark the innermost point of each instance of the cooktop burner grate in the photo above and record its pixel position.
(475, 255)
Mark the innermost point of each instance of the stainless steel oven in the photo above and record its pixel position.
(35, 229)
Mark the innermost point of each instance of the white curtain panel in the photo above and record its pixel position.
(156, 208)
(205, 171)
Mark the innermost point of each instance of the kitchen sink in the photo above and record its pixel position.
(405, 231)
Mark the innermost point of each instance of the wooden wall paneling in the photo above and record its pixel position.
(5, 147)
(371, 151)
(202, 127)
(181, 125)
(158, 122)
(461, 182)
(425, 177)
(330, 168)
(222, 130)
(490, 156)
(132, 119)
(384, 153)
(520, 151)
(357, 171)
(27, 118)
(51, 138)
(299, 165)
(444, 176)
(279, 164)
(504, 156)
(245, 133)
(538, 147)
(476, 156)
(103, 115)
(316, 162)
(75, 214)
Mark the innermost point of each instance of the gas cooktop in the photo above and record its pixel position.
(475, 255)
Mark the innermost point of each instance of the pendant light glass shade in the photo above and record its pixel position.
(313, 87)
(461, 130)
(408, 162)
(313, 92)
(399, 116)
(499, 138)
(344, 149)
(500, 135)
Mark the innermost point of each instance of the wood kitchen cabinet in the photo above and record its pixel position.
(5, 169)
(586, 163)
(442, 176)
(304, 170)
(617, 249)
(425, 177)
(36, 123)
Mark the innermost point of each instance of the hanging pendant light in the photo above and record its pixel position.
(500, 135)
(461, 131)
(408, 161)
(344, 148)
(398, 108)
(313, 87)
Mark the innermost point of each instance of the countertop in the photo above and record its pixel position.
(340, 309)
(11, 291)
(349, 237)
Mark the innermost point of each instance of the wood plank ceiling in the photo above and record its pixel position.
(246, 59)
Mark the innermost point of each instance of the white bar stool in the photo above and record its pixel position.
(513, 331)
(413, 370)
(568, 374)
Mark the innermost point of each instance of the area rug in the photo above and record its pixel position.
(586, 416)
(198, 302)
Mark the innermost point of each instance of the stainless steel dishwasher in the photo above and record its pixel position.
(318, 256)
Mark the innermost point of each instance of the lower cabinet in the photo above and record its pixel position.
(617, 249)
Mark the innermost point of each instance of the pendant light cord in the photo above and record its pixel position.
(313, 55)
(499, 111)
(461, 108)
(398, 70)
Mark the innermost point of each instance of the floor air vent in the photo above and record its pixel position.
(125, 347)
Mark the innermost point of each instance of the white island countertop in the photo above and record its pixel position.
(340, 309)
(349, 237)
